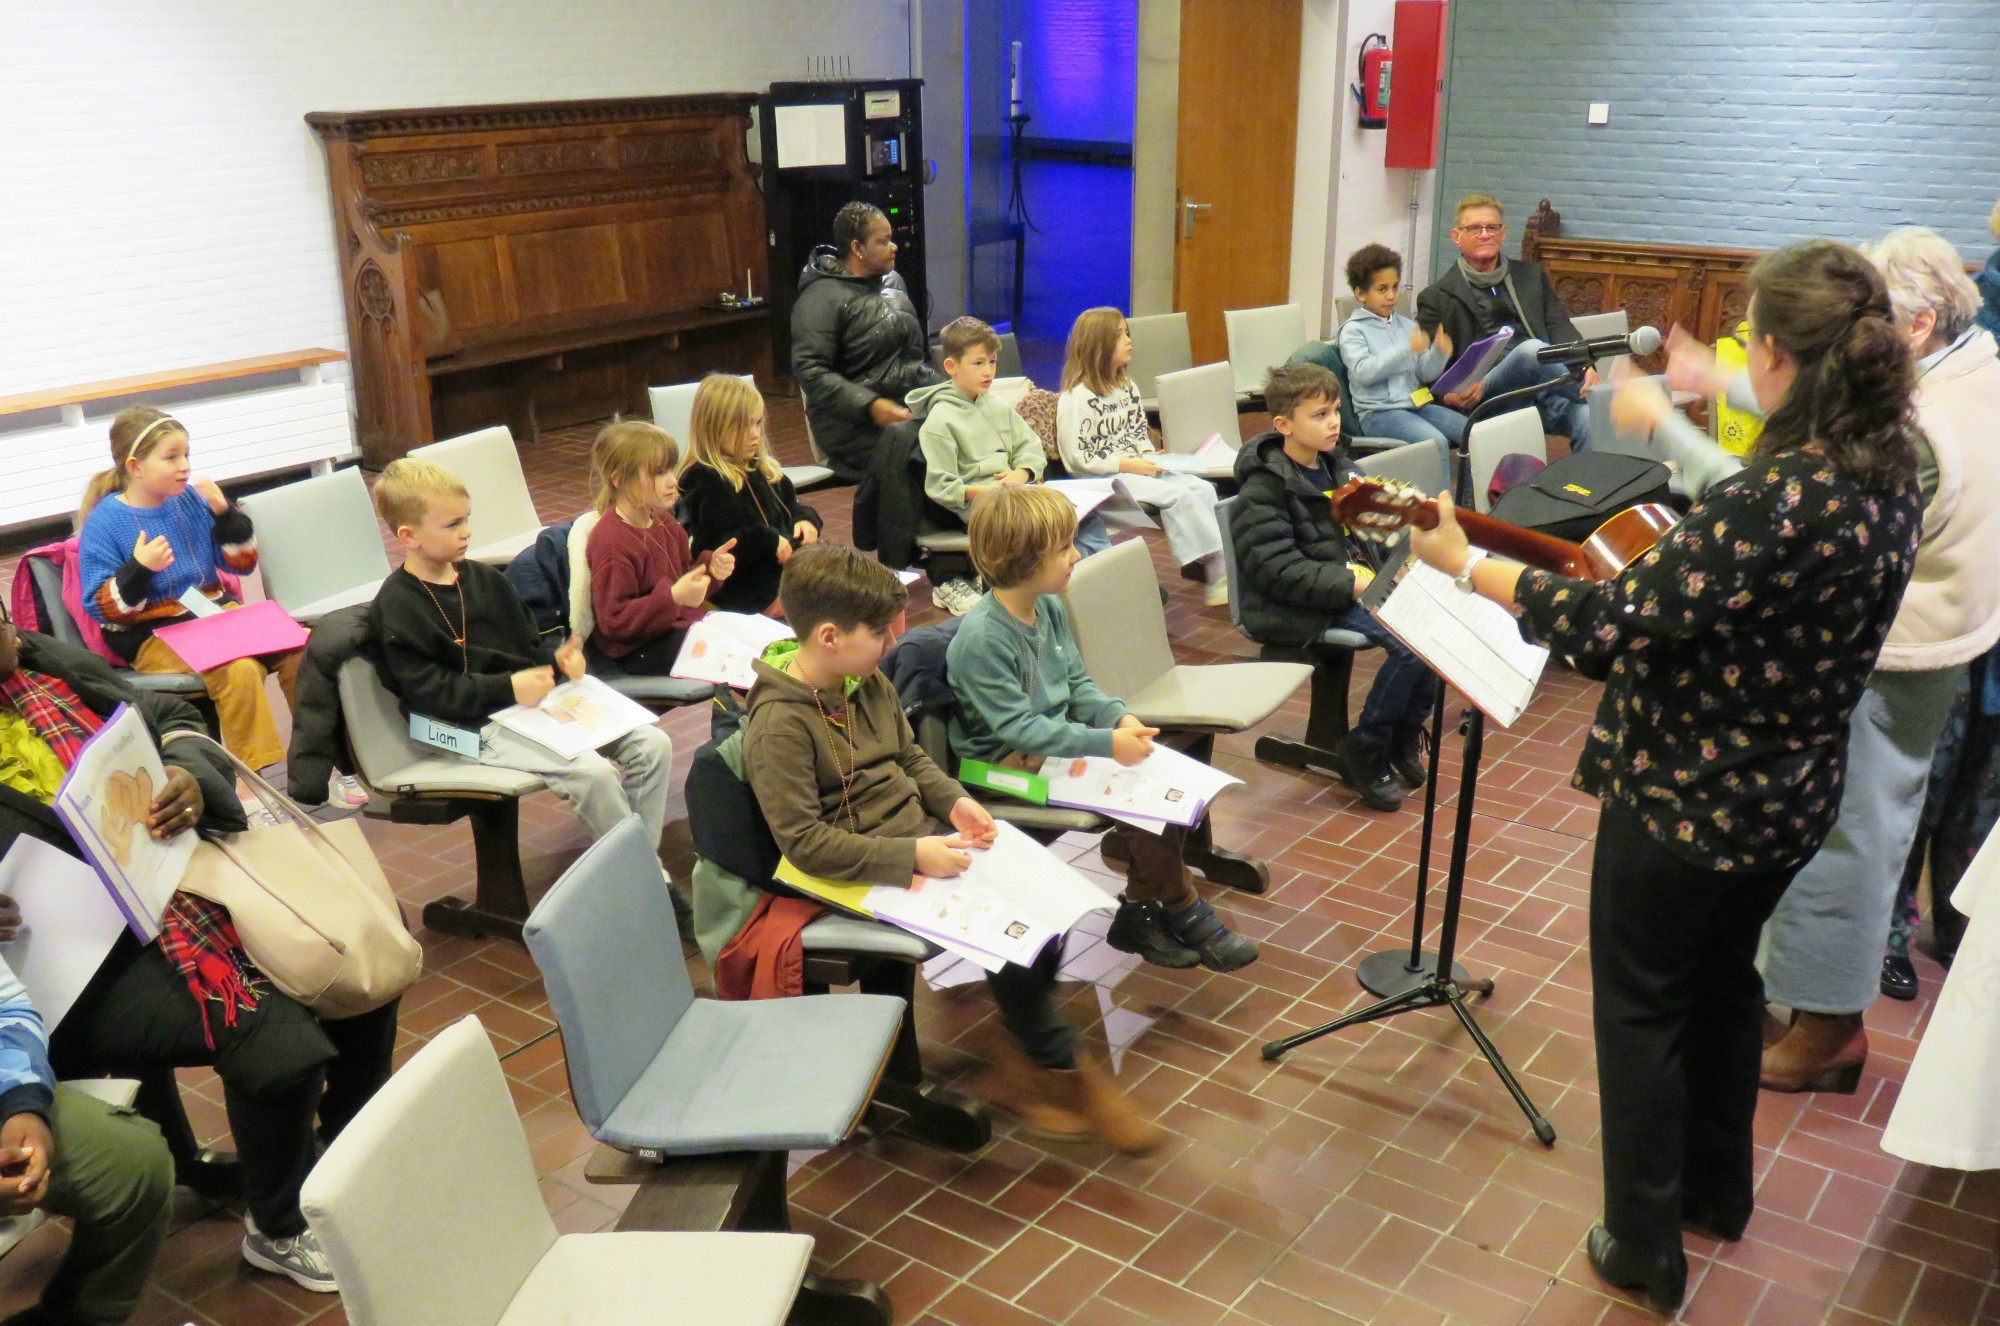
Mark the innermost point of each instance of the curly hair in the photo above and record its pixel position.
(850, 225)
(1368, 260)
(1827, 308)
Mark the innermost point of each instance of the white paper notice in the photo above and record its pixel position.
(577, 716)
(71, 924)
(1472, 642)
(1087, 494)
(811, 135)
(723, 646)
(104, 801)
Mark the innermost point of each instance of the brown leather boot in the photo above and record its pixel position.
(1111, 1115)
(1822, 1052)
(1776, 1027)
(1045, 1101)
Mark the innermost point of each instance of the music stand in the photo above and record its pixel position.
(1413, 980)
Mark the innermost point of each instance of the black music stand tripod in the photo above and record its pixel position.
(1407, 982)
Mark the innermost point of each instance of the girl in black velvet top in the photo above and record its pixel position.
(1733, 654)
(733, 488)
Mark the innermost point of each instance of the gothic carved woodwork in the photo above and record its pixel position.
(1696, 287)
(541, 263)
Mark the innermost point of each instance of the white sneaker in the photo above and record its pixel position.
(299, 1258)
(1217, 593)
(956, 596)
(345, 790)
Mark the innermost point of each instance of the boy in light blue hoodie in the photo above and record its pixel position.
(1388, 359)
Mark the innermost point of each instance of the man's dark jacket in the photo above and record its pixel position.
(1449, 301)
(855, 339)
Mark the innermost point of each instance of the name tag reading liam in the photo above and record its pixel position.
(457, 740)
(1421, 397)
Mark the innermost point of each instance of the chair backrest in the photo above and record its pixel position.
(1010, 356)
(427, 1203)
(489, 465)
(1160, 344)
(582, 617)
(1262, 338)
(376, 728)
(1327, 355)
(605, 939)
(1515, 432)
(1225, 516)
(1121, 629)
(1606, 436)
(1591, 325)
(57, 621)
(673, 407)
(317, 538)
(1414, 463)
(1195, 405)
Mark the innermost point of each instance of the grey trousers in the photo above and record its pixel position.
(1823, 947)
(633, 774)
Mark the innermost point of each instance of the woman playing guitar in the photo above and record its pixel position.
(1734, 652)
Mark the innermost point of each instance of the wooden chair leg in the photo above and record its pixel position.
(499, 907)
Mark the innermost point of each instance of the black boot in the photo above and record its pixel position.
(1410, 755)
(1363, 764)
(1663, 1279)
(1141, 928)
(1899, 977)
(1219, 948)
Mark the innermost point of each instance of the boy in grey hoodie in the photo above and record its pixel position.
(974, 443)
(1388, 358)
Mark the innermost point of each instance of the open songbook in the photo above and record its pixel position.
(1471, 642)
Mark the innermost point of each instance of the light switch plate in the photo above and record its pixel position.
(1600, 112)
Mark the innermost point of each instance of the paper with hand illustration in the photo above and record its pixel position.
(722, 648)
(577, 716)
(104, 801)
(1167, 787)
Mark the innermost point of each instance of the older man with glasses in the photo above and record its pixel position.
(1485, 291)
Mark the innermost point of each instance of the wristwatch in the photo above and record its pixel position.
(1463, 579)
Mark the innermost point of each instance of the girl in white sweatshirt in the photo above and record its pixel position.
(1101, 430)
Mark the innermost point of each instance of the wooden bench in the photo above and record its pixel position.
(245, 416)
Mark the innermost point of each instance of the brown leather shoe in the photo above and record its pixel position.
(1775, 1027)
(1111, 1115)
(1822, 1052)
(1045, 1101)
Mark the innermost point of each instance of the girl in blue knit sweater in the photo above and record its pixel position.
(149, 533)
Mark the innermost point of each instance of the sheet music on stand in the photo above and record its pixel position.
(1470, 641)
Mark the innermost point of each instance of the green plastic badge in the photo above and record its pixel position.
(1027, 786)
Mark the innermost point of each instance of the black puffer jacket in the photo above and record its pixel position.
(855, 339)
(1291, 555)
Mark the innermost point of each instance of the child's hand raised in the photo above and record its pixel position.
(155, 554)
(211, 494)
(1443, 342)
(691, 590)
(722, 562)
(941, 858)
(532, 686)
(570, 658)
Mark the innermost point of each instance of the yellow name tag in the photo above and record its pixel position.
(1421, 397)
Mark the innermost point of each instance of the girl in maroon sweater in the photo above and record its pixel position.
(646, 588)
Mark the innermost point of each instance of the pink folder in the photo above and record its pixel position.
(247, 632)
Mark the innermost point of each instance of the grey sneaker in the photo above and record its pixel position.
(300, 1258)
(956, 596)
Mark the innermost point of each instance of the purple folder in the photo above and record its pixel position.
(246, 632)
(1474, 363)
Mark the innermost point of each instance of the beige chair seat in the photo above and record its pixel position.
(639, 1279)
(502, 551)
(448, 774)
(1228, 697)
(945, 541)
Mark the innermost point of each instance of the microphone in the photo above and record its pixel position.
(1641, 342)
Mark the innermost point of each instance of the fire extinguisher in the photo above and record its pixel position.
(1371, 94)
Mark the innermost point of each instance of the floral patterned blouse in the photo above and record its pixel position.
(1733, 654)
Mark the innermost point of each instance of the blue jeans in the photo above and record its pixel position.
(1562, 409)
(1405, 689)
(1443, 428)
(1091, 536)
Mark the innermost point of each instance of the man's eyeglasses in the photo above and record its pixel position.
(1483, 229)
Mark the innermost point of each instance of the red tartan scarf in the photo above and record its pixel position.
(196, 935)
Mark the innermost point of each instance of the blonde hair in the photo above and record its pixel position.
(136, 433)
(625, 452)
(724, 405)
(1923, 271)
(1014, 530)
(1093, 345)
(404, 492)
(1472, 200)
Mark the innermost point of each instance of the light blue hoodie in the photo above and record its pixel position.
(1382, 373)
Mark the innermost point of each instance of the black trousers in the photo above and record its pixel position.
(279, 1065)
(1026, 998)
(1678, 1005)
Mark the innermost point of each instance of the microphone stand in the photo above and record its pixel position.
(1407, 981)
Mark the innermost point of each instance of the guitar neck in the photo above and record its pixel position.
(1523, 545)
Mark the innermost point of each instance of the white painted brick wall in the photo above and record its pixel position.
(163, 203)
(1734, 122)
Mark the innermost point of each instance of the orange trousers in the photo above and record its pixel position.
(248, 729)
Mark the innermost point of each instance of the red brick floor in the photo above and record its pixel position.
(1377, 1176)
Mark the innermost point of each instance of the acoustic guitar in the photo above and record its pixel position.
(1375, 508)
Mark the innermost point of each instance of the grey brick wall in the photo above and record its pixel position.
(1735, 122)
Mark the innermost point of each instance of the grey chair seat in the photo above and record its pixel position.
(446, 774)
(164, 683)
(1347, 639)
(1227, 696)
(661, 690)
(808, 476)
(839, 933)
(392, 761)
(502, 551)
(1054, 819)
(945, 541)
(760, 1075)
(308, 613)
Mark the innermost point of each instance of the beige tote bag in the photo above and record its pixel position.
(311, 905)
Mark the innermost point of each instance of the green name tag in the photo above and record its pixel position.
(1027, 786)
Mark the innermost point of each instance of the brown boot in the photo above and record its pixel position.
(1045, 1101)
(1111, 1115)
(1822, 1052)
(1775, 1027)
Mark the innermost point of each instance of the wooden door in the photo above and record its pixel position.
(1239, 112)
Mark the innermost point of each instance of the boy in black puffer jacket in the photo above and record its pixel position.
(1299, 575)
